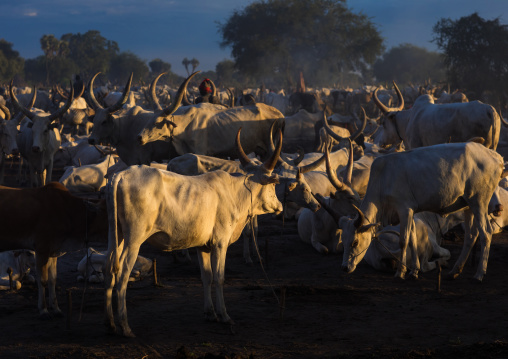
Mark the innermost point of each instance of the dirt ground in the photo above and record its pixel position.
(325, 314)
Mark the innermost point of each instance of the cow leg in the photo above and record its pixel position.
(246, 234)
(218, 268)
(127, 261)
(42, 264)
(413, 246)
(485, 235)
(53, 303)
(207, 279)
(471, 232)
(48, 173)
(406, 224)
(109, 282)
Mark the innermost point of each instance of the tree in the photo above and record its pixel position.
(11, 63)
(278, 39)
(186, 63)
(157, 66)
(409, 63)
(194, 63)
(53, 49)
(126, 63)
(476, 56)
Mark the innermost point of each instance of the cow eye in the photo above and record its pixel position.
(354, 244)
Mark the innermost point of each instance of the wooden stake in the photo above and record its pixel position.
(69, 309)
(282, 303)
(154, 261)
(438, 288)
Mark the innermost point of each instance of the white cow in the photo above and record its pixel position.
(91, 267)
(442, 179)
(176, 212)
(87, 178)
(20, 262)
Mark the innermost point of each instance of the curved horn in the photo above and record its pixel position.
(312, 166)
(18, 106)
(244, 160)
(378, 103)
(332, 176)
(214, 89)
(154, 98)
(359, 131)
(94, 103)
(272, 146)
(326, 207)
(179, 96)
(185, 100)
(399, 95)
(117, 106)
(81, 92)
(6, 111)
(270, 163)
(359, 218)
(502, 119)
(349, 168)
(329, 129)
(63, 109)
(32, 101)
(60, 92)
(231, 98)
(301, 156)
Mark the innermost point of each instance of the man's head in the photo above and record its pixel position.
(206, 87)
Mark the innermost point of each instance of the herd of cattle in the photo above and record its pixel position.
(382, 187)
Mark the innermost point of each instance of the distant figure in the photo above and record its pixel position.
(206, 89)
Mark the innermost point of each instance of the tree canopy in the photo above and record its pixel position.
(10, 62)
(278, 39)
(476, 56)
(409, 63)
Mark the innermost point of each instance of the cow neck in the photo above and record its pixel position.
(114, 139)
(400, 122)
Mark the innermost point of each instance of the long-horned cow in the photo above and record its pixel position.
(442, 179)
(427, 124)
(175, 212)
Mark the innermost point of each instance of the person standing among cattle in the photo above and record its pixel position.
(207, 92)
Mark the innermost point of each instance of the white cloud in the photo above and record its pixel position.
(30, 13)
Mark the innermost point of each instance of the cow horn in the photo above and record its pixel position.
(185, 99)
(378, 103)
(214, 89)
(63, 109)
(6, 111)
(18, 106)
(359, 218)
(359, 131)
(270, 163)
(502, 119)
(231, 98)
(399, 95)
(329, 129)
(94, 103)
(154, 98)
(32, 101)
(326, 207)
(301, 156)
(179, 96)
(349, 168)
(117, 106)
(312, 166)
(332, 176)
(60, 92)
(244, 160)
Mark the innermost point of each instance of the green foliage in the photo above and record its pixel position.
(126, 63)
(11, 63)
(476, 55)
(157, 66)
(273, 40)
(407, 63)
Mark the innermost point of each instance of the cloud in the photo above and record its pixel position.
(30, 13)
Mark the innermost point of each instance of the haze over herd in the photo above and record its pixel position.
(376, 172)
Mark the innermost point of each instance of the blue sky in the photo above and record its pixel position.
(174, 29)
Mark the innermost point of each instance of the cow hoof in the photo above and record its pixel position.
(128, 334)
(45, 316)
(110, 330)
(57, 314)
(211, 317)
(452, 276)
(476, 280)
(413, 276)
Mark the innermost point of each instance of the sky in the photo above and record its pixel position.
(174, 29)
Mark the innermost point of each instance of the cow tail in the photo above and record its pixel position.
(113, 243)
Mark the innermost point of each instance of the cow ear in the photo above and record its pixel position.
(270, 179)
(366, 227)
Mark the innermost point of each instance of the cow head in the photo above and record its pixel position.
(104, 127)
(159, 126)
(8, 133)
(41, 123)
(260, 181)
(340, 139)
(391, 133)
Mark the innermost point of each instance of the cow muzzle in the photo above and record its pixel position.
(498, 210)
(141, 141)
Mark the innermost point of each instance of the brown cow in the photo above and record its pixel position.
(50, 221)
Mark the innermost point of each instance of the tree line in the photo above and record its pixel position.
(272, 42)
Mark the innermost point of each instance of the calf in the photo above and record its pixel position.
(19, 262)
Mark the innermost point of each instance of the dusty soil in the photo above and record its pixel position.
(326, 313)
